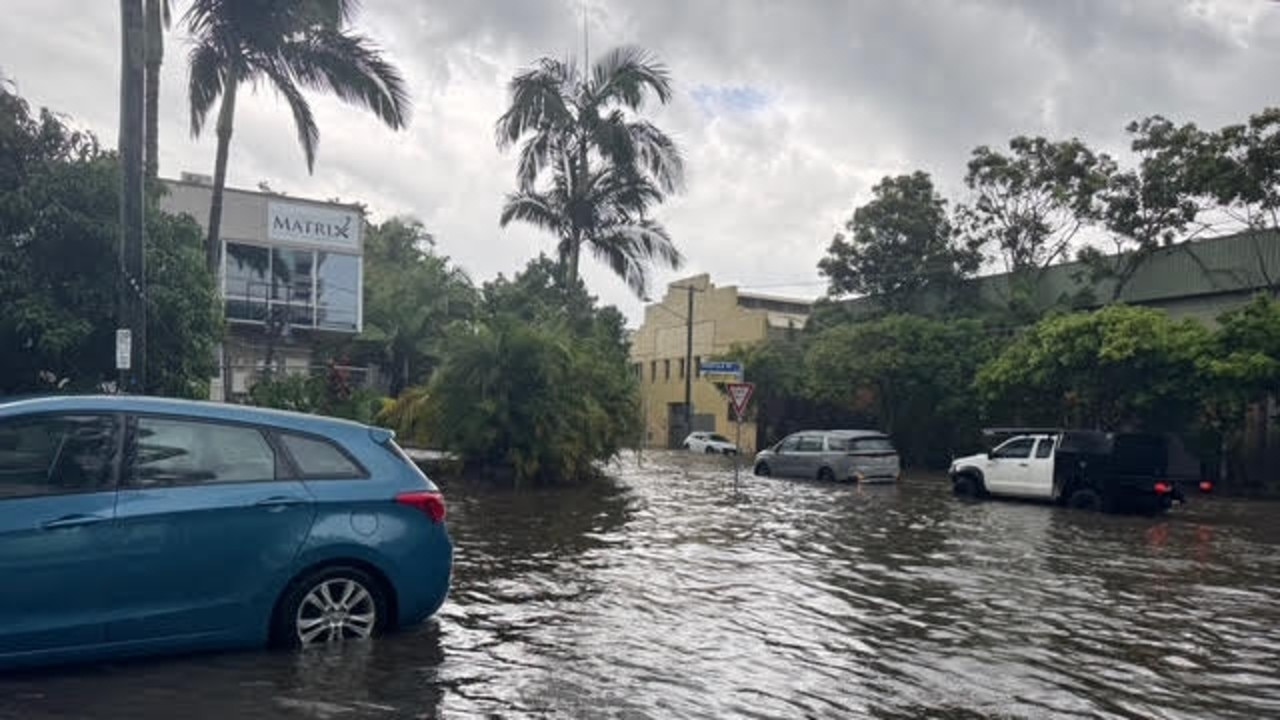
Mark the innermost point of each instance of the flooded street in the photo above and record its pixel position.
(667, 593)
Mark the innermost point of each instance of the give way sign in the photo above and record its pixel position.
(740, 396)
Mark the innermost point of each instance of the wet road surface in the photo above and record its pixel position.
(667, 593)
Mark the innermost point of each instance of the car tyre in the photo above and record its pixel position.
(825, 475)
(966, 487)
(709, 450)
(330, 605)
(762, 469)
(1085, 499)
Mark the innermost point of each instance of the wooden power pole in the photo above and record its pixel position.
(132, 298)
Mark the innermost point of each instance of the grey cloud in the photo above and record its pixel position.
(855, 90)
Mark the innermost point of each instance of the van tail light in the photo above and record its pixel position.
(1163, 488)
(430, 504)
(1206, 486)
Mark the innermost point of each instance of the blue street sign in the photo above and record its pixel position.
(720, 368)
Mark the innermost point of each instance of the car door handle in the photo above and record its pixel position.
(279, 502)
(76, 520)
(1022, 465)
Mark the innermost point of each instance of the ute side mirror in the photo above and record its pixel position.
(991, 454)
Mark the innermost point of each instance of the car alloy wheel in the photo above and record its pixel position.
(762, 469)
(336, 609)
(331, 605)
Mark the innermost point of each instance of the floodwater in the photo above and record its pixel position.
(668, 593)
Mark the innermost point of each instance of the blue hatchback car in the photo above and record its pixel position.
(135, 526)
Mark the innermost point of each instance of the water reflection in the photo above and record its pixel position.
(668, 592)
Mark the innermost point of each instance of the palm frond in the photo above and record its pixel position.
(625, 74)
(537, 153)
(630, 249)
(657, 154)
(351, 67)
(204, 83)
(538, 101)
(303, 119)
(533, 208)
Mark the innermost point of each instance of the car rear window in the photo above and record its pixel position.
(868, 444)
(316, 458)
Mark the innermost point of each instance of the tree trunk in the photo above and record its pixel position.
(571, 273)
(155, 56)
(226, 116)
(133, 271)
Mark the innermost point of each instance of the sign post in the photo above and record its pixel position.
(740, 395)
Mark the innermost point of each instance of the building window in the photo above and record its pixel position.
(309, 288)
(666, 369)
(697, 365)
(337, 291)
(637, 370)
(681, 368)
(653, 371)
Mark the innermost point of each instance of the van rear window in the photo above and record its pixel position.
(870, 444)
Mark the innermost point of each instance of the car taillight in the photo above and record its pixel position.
(1163, 488)
(1206, 486)
(430, 504)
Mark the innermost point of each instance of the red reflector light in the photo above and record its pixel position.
(1206, 486)
(430, 504)
(1163, 488)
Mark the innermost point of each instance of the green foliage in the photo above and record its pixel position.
(1244, 365)
(412, 297)
(59, 229)
(539, 386)
(898, 246)
(590, 168)
(1120, 367)
(1030, 204)
(1155, 204)
(911, 376)
(328, 394)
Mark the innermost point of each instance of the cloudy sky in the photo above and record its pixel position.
(788, 112)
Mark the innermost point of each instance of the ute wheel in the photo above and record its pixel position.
(762, 469)
(966, 486)
(330, 605)
(825, 475)
(1084, 499)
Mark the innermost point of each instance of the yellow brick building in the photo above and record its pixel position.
(722, 317)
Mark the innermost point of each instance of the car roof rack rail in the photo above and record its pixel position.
(1022, 431)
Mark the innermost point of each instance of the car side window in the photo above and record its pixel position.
(188, 452)
(1017, 449)
(319, 458)
(790, 444)
(1045, 448)
(57, 454)
(811, 443)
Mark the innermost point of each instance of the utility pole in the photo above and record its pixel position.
(132, 297)
(688, 365)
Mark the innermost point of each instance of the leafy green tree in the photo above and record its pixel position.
(1154, 205)
(1121, 367)
(1031, 203)
(912, 376)
(59, 235)
(289, 45)
(898, 246)
(412, 296)
(590, 168)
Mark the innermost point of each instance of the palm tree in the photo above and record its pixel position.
(601, 166)
(158, 17)
(289, 45)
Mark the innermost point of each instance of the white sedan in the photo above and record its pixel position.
(710, 443)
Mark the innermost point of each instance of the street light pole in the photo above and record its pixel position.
(688, 365)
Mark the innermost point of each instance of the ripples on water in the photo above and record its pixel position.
(668, 593)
